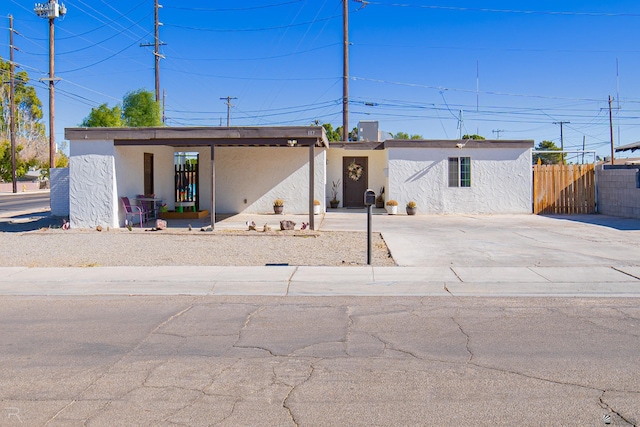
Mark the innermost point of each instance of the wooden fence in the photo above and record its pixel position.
(564, 189)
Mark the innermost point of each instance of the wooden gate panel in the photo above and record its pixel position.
(564, 189)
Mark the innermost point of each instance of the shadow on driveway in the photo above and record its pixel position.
(622, 224)
(29, 222)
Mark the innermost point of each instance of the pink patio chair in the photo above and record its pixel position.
(132, 211)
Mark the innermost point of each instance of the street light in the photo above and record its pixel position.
(51, 11)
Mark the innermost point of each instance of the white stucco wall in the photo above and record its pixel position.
(130, 173)
(260, 175)
(101, 173)
(377, 163)
(501, 180)
(92, 192)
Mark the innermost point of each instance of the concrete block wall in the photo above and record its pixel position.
(618, 192)
(59, 195)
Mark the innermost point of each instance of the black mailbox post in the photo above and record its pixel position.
(369, 197)
(369, 201)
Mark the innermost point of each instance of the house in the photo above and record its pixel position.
(461, 177)
(249, 167)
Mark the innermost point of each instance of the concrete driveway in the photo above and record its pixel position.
(501, 240)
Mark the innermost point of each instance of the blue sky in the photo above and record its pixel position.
(512, 68)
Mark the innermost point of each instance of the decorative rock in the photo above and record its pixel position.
(266, 228)
(161, 224)
(287, 225)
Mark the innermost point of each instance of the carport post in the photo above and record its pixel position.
(213, 187)
(312, 146)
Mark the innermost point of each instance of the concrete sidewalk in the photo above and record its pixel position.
(437, 255)
(324, 281)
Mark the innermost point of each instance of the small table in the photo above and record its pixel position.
(181, 205)
(155, 203)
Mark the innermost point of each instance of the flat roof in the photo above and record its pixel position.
(257, 136)
(459, 143)
(629, 147)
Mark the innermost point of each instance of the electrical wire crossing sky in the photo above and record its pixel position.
(436, 69)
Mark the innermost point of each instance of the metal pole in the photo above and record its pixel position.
(156, 51)
(12, 103)
(52, 137)
(369, 214)
(345, 71)
(312, 172)
(213, 187)
(561, 137)
(611, 130)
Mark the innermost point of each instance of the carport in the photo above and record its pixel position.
(102, 141)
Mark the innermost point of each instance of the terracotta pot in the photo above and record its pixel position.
(278, 209)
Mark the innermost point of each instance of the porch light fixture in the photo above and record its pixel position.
(292, 142)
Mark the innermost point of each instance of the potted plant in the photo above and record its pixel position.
(334, 202)
(412, 208)
(380, 199)
(316, 207)
(278, 206)
(392, 207)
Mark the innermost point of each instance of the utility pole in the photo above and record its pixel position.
(51, 11)
(229, 105)
(156, 47)
(611, 130)
(164, 104)
(561, 137)
(345, 71)
(12, 107)
(498, 132)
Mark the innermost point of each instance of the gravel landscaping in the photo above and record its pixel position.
(91, 248)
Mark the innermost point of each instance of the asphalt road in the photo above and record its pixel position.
(32, 201)
(26, 211)
(323, 361)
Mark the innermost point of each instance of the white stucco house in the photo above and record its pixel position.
(249, 167)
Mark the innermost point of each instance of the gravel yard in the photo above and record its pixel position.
(90, 248)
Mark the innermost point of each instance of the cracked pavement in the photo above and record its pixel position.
(321, 361)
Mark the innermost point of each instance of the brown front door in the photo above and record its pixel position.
(148, 174)
(355, 181)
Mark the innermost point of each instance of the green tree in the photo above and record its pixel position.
(103, 116)
(548, 158)
(5, 162)
(140, 109)
(404, 135)
(474, 136)
(30, 131)
(332, 135)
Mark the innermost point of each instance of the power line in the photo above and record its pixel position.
(525, 12)
(229, 105)
(240, 9)
(239, 30)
